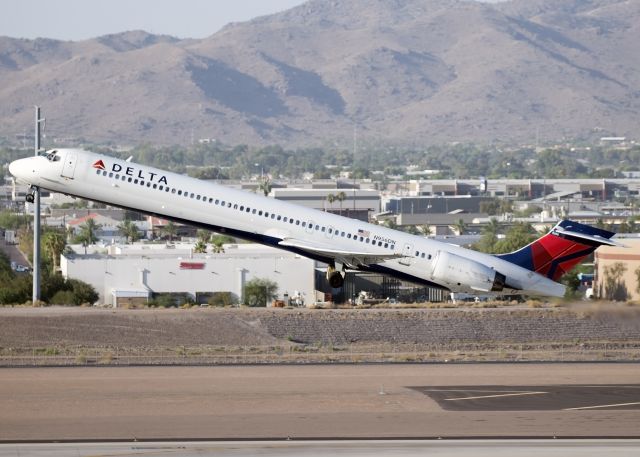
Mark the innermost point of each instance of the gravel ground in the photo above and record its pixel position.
(151, 336)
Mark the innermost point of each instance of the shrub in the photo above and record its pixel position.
(82, 292)
(18, 290)
(163, 301)
(62, 297)
(51, 285)
(222, 299)
(258, 292)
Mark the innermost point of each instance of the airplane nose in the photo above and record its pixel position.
(21, 169)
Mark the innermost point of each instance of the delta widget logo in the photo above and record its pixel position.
(99, 165)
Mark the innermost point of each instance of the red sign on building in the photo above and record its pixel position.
(192, 265)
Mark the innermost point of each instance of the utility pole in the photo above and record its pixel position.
(36, 217)
(353, 168)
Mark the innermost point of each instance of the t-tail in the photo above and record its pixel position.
(561, 249)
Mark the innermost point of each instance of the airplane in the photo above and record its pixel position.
(338, 241)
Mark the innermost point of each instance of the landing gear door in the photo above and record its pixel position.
(69, 166)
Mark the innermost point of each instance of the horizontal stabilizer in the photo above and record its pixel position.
(587, 237)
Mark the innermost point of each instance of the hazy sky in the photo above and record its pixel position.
(82, 19)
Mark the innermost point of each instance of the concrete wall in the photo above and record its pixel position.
(163, 272)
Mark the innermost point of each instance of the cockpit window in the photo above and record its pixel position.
(52, 156)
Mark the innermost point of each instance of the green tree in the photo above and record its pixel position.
(572, 283)
(217, 245)
(517, 237)
(265, 186)
(16, 291)
(330, 198)
(486, 243)
(169, 230)
(412, 229)
(218, 242)
(425, 229)
(13, 221)
(129, 230)
(82, 292)
(461, 227)
(259, 292)
(25, 241)
(391, 223)
(489, 239)
(6, 273)
(341, 197)
(203, 235)
(53, 243)
(200, 247)
(87, 235)
(493, 227)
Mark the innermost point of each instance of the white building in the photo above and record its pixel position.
(138, 271)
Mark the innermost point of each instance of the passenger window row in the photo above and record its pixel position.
(242, 208)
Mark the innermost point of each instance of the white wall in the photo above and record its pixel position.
(224, 272)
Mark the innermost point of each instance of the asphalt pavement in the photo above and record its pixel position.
(418, 448)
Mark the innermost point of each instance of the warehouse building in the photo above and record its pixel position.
(133, 274)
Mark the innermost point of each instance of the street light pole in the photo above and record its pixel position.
(36, 217)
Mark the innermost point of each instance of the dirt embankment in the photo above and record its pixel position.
(86, 335)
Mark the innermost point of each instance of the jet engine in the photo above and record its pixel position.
(335, 276)
(453, 270)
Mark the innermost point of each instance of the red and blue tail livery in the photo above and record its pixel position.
(561, 249)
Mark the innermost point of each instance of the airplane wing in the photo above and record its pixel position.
(350, 258)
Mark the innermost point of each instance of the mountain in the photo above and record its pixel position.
(397, 71)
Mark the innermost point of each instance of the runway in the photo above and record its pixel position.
(460, 448)
(320, 402)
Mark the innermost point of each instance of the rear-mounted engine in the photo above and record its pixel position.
(453, 270)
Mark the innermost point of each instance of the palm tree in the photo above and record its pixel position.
(425, 229)
(493, 227)
(170, 230)
(129, 230)
(87, 235)
(461, 227)
(341, 197)
(69, 233)
(54, 243)
(265, 186)
(203, 235)
(200, 247)
(217, 244)
(330, 198)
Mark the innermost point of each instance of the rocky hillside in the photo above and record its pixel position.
(403, 71)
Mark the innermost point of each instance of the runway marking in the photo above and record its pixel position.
(603, 406)
(607, 386)
(495, 396)
(471, 390)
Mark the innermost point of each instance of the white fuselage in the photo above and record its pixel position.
(257, 218)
